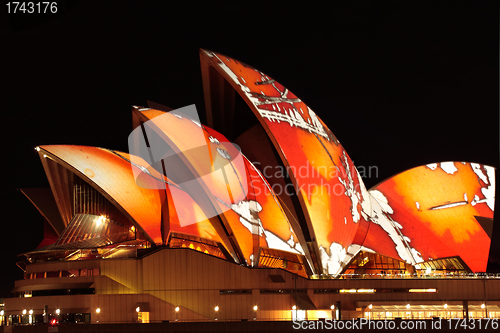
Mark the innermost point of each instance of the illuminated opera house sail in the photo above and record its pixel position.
(202, 192)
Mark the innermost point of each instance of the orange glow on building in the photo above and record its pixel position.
(201, 231)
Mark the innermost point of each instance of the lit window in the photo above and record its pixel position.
(431, 290)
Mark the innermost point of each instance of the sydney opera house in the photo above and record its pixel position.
(258, 215)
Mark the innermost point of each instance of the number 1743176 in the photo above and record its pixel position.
(473, 324)
(43, 7)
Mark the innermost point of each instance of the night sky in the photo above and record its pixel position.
(400, 84)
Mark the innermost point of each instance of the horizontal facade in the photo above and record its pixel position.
(197, 283)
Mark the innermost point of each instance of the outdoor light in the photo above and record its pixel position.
(24, 311)
(483, 306)
(294, 307)
(2, 313)
(100, 220)
(137, 309)
(37, 148)
(98, 310)
(255, 307)
(446, 306)
(177, 309)
(332, 307)
(216, 308)
(58, 311)
(370, 306)
(31, 312)
(408, 305)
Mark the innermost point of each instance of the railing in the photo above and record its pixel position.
(422, 276)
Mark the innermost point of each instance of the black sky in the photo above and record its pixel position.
(400, 84)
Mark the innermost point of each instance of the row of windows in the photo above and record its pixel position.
(263, 291)
(70, 273)
(282, 291)
(235, 292)
(329, 291)
(373, 291)
(56, 292)
(367, 260)
(87, 200)
(239, 291)
(433, 315)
